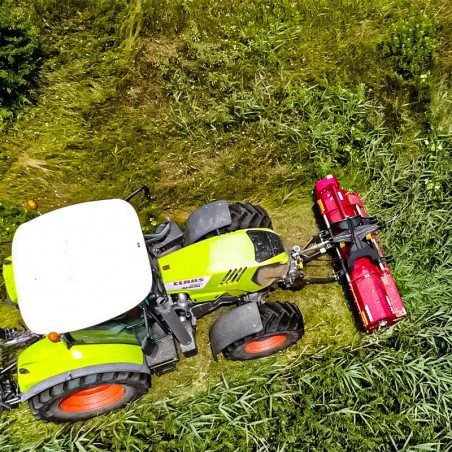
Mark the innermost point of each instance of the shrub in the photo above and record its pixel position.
(20, 58)
(11, 217)
(410, 45)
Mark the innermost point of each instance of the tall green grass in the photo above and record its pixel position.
(390, 392)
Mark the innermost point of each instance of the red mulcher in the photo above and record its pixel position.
(363, 265)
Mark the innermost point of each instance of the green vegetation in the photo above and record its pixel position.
(253, 101)
(20, 60)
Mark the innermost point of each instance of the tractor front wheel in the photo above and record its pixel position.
(88, 396)
(282, 327)
(243, 216)
(246, 215)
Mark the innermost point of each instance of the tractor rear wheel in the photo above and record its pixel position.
(282, 327)
(88, 396)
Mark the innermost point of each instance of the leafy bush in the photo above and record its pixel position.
(11, 217)
(410, 46)
(20, 58)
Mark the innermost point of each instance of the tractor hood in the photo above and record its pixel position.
(79, 266)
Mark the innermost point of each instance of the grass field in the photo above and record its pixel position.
(255, 101)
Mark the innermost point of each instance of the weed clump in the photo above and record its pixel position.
(410, 46)
(11, 217)
(20, 60)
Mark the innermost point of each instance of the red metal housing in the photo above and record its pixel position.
(371, 283)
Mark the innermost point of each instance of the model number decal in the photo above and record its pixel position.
(187, 284)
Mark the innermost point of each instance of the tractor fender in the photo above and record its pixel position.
(207, 218)
(45, 364)
(234, 325)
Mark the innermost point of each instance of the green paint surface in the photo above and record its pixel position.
(205, 266)
(45, 359)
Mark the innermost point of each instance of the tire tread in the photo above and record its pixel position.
(276, 317)
(243, 216)
(41, 403)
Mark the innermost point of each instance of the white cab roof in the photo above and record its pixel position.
(79, 266)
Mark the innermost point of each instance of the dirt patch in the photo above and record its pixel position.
(159, 51)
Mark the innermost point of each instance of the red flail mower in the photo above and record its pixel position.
(362, 265)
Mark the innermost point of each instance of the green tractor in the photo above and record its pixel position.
(106, 306)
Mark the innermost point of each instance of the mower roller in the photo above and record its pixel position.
(362, 265)
(105, 306)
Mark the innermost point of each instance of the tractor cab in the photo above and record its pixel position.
(80, 266)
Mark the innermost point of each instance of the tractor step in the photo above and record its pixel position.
(164, 356)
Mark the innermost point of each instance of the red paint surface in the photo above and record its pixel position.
(372, 285)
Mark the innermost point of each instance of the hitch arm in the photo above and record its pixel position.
(316, 247)
(319, 280)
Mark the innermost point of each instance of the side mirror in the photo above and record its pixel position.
(147, 346)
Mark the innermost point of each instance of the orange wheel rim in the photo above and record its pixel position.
(92, 399)
(264, 345)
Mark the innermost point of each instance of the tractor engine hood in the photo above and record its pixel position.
(80, 265)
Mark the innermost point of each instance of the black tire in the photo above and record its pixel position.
(243, 216)
(88, 396)
(282, 327)
(246, 215)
